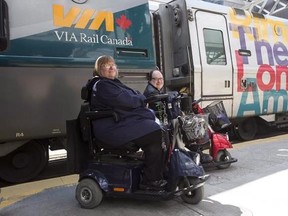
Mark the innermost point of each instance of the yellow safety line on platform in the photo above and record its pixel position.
(12, 194)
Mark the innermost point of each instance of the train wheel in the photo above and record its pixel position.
(25, 163)
(246, 129)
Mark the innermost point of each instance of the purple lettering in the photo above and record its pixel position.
(243, 45)
(280, 54)
(258, 47)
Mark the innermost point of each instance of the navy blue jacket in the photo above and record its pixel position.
(173, 111)
(151, 90)
(136, 120)
(158, 107)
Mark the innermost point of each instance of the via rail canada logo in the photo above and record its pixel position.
(81, 19)
(90, 21)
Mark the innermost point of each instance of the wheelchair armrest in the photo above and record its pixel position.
(156, 98)
(93, 115)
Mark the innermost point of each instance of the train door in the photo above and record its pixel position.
(215, 54)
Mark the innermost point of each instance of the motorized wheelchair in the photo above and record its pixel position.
(116, 172)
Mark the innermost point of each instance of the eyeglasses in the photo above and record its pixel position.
(108, 66)
(157, 79)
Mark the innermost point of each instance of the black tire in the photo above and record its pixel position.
(191, 197)
(88, 194)
(25, 163)
(223, 155)
(246, 129)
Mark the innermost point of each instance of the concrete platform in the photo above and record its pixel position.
(12, 194)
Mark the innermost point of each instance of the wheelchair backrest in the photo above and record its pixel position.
(86, 90)
(85, 124)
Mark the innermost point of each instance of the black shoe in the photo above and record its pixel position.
(154, 185)
(206, 158)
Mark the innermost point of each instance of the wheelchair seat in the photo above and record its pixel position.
(126, 149)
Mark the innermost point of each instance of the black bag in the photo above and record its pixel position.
(182, 163)
(173, 105)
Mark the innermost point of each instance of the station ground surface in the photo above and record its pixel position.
(12, 194)
(254, 186)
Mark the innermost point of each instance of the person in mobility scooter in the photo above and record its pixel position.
(104, 142)
(137, 123)
(203, 126)
(155, 83)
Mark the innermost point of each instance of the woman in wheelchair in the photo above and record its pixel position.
(136, 122)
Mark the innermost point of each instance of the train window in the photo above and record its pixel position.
(214, 46)
(4, 25)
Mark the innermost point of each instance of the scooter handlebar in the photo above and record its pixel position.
(156, 98)
(196, 101)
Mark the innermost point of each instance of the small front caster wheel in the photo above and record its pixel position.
(88, 194)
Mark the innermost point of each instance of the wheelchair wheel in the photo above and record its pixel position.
(223, 156)
(191, 196)
(88, 194)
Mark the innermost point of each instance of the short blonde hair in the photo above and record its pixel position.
(101, 60)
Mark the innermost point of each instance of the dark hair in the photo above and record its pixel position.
(149, 76)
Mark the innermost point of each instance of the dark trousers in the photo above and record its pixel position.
(151, 144)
